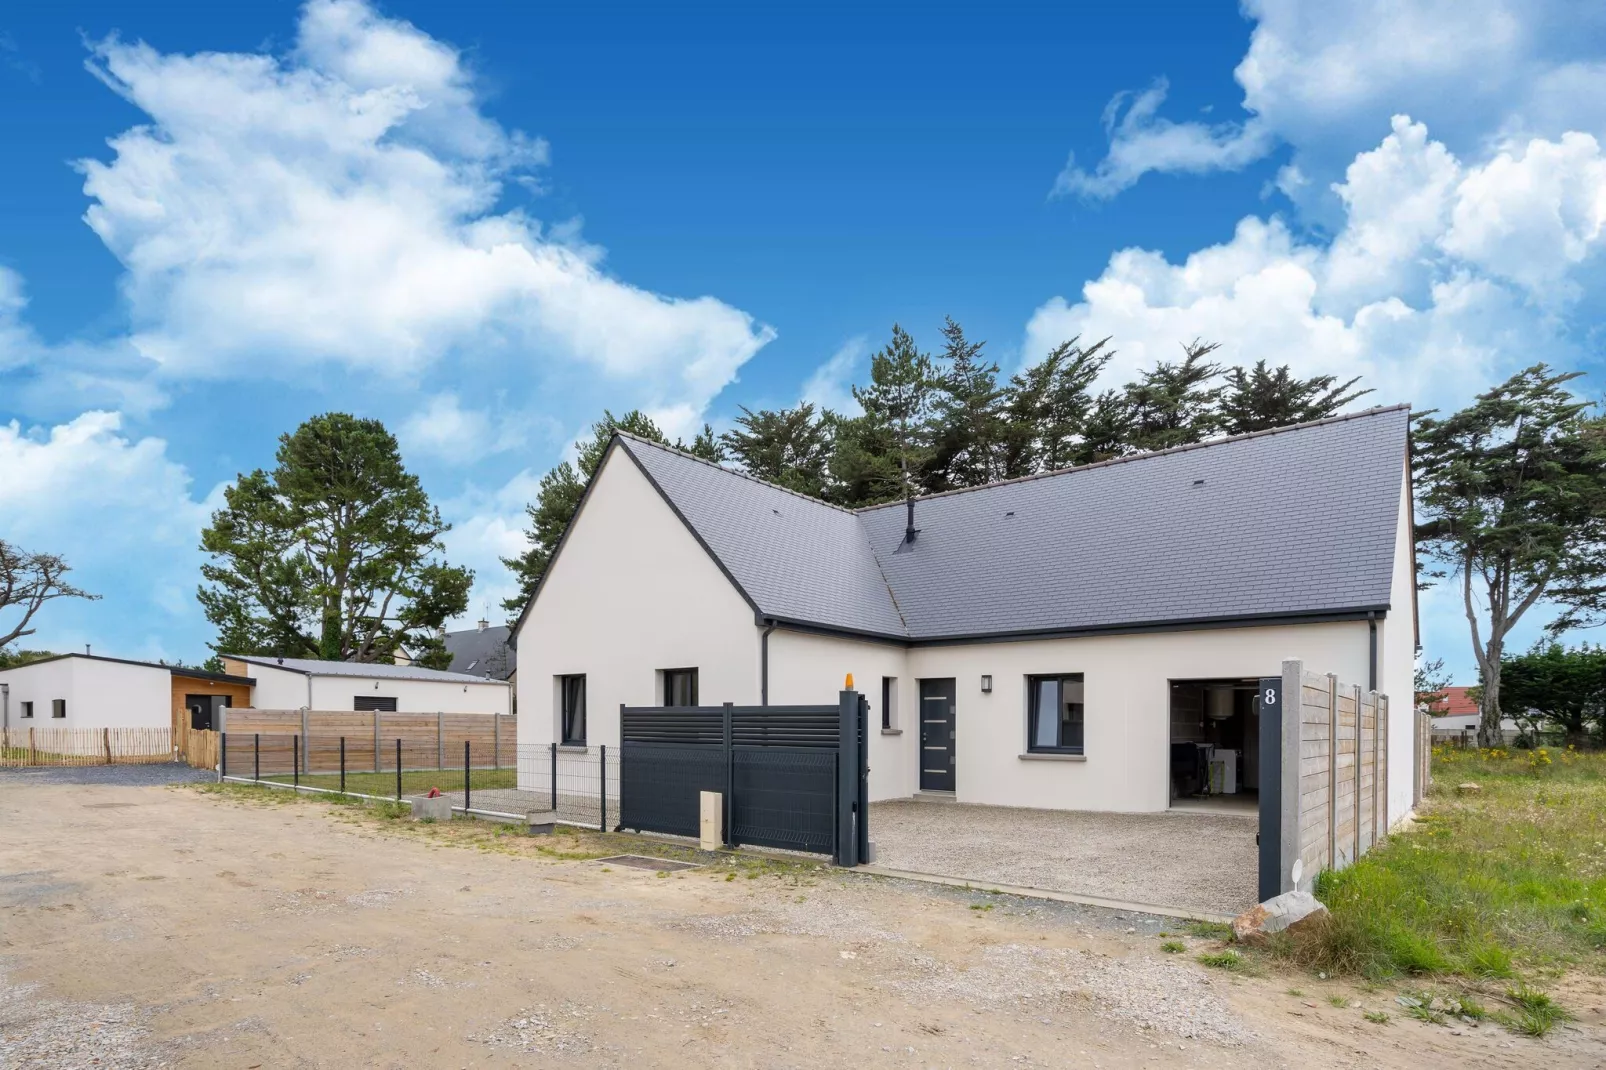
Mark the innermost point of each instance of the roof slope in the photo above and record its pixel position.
(365, 669)
(1300, 521)
(1296, 521)
(482, 652)
(797, 559)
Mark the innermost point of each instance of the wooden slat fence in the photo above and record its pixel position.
(428, 740)
(1342, 809)
(85, 746)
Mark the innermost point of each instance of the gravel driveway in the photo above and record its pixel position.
(121, 775)
(1188, 861)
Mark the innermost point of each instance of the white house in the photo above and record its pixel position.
(1042, 642)
(291, 683)
(91, 691)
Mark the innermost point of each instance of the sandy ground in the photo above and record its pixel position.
(1191, 861)
(147, 926)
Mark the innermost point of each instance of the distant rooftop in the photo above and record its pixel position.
(370, 669)
(482, 652)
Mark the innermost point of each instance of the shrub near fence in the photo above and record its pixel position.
(85, 746)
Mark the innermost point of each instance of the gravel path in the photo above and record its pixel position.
(119, 775)
(1187, 861)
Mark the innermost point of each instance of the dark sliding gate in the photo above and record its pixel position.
(793, 777)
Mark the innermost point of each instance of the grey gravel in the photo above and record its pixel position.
(116, 775)
(1189, 861)
(63, 1035)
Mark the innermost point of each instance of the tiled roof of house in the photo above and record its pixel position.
(482, 652)
(1300, 521)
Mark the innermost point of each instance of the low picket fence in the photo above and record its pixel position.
(34, 746)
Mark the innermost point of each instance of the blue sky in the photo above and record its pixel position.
(483, 223)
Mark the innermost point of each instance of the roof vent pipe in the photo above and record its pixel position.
(910, 531)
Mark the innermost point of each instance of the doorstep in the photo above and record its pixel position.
(935, 797)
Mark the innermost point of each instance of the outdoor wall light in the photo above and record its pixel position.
(986, 685)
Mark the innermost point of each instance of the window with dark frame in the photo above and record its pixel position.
(374, 703)
(58, 707)
(886, 702)
(572, 690)
(27, 709)
(680, 687)
(1055, 714)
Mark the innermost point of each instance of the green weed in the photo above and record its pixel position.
(1173, 947)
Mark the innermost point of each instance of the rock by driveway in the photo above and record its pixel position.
(1184, 861)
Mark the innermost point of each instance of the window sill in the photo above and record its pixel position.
(1053, 757)
(892, 731)
(573, 748)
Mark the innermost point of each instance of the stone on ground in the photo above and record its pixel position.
(1290, 912)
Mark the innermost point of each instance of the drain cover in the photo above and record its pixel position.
(645, 862)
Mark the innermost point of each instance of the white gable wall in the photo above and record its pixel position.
(412, 696)
(632, 593)
(1396, 664)
(99, 694)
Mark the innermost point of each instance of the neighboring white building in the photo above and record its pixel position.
(1060, 632)
(90, 691)
(293, 683)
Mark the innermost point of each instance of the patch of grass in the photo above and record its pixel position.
(981, 906)
(1534, 1013)
(1338, 1001)
(1495, 884)
(1173, 947)
(1228, 960)
(1296, 992)
(1209, 930)
(1377, 1017)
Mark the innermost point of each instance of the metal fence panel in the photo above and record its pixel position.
(661, 785)
(784, 797)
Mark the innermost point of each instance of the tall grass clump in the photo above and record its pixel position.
(1491, 883)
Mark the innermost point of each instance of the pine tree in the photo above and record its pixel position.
(788, 447)
(882, 455)
(967, 421)
(1258, 399)
(559, 497)
(1174, 405)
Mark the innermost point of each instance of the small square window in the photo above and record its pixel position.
(572, 698)
(27, 709)
(58, 707)
(680, 687)
(1055, 714)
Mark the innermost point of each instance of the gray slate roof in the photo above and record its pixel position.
(370, 670)
(482, 652)
(1297, 521)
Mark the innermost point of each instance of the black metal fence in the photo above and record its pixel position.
(792, 777)
(542, 783)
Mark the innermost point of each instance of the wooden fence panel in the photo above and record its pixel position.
(36, 746)
(428, 740)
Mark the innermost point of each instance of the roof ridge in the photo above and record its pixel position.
(1111, 462)
(734, 472)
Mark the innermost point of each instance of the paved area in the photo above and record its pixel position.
(1188, 861)
(179, 928)
(127, 775)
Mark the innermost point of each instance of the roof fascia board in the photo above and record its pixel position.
(1182, 625)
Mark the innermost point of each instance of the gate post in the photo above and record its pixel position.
(847, 778)
(728, 805)
(1278, 698)
(862, 779)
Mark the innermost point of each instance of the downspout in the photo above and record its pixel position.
(764, 664)
(1371, 635)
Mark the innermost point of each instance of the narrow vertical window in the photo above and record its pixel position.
(58, 707)
(680, 687)
(889, 703)
(573, 728)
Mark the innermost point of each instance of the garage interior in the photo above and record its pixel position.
(1215, 746)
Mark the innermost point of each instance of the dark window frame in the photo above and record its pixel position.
(374, 704)
(58, 708)
(570, 687)
(1033, 713)
(887, 685)
(27, 709)
(671, 676)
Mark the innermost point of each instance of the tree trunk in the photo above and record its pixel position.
(1489, 732)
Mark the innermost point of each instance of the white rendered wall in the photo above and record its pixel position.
(1396, 665)
(1127, 695)
(412, 696)
(99, 694)
(631, 594)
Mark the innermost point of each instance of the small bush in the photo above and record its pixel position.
(1536, 1013)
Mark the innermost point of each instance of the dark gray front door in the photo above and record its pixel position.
(937, 735)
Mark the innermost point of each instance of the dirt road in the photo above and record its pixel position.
(162, 926)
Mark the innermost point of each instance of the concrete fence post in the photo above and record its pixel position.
(1380, 792)
(376, 741)
(1332, 771)
(1359, 764)
(306, 766)
(440, 739)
